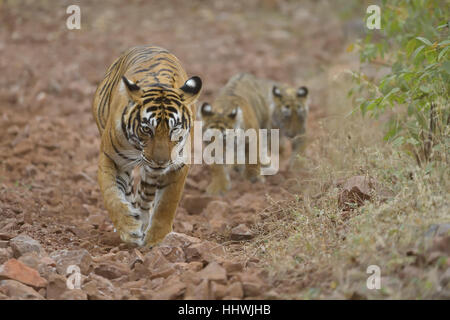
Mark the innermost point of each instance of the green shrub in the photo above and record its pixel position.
(414, 43)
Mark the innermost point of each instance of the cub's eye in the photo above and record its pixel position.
(146, 130)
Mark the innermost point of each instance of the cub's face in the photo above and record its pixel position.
(157, 122)
(290, 110)
(220, 118)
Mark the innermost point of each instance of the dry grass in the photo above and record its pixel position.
(311, 250)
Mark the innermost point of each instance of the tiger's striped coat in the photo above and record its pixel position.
(144, 109)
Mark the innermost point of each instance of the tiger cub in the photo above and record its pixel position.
(144, 109)
(239, 105)
(250, 102)
(289, 113)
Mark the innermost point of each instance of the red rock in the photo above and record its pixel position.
(241, 232)
(140, 271)
(232, 267)
(112, 269)
(198, 292)
(19, 291)
(31, 259)
(57, 285)
(48, 261)
(217, 212)
(214, 271)
(5, 255)
(205, 251)
(135, 284)
(163, 272)
(192, 266)
(175, 239)
(142, 294)
(252, 289)
(65, 258)
(195, 204)
(75, 294)
(173, 254)
(16, 270)
(190, 277)
(6, 236)
(216, 207)
(105, 257)
(185, 226)
(99, 288)
(136, 257)
(23, 244)
(23, 147)
(235, 290)
(218, 290)
(250, 202)
(155, 259)
(272, 295)
(171, 291)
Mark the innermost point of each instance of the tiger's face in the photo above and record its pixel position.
(157, 122)
(290, 109)
(220, 118)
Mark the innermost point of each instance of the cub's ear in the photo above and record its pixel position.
(206, 109)
(133, 90)
(302, 92)
(276, 91)
(234, 113)
(191, 89)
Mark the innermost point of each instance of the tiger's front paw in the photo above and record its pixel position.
(130, 227)
(156, 234)
(217, 188)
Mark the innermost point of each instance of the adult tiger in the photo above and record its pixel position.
(144, 109)
(250, 102)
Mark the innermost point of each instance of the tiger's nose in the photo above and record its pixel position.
(161, 162)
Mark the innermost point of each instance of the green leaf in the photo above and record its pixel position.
(446, 66)
(398, 141)
(412, 141)
(410, 47)
(417, 51)
(425, 88)
(442, 53)
(424, 40)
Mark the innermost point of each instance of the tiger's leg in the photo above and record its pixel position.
(163, 209)
(253, 171)
(298, 146)
(145, 196)
(115, 187)
(220, 180)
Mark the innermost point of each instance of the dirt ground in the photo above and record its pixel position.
(49, 142)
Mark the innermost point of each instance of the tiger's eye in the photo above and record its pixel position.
(146, 130)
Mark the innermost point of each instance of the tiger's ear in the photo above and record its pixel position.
(276, 91)
(234, 112)
(302, 92)
(206, 109)
(133, 90)
(191, 89)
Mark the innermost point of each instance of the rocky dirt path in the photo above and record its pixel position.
(50, 206)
